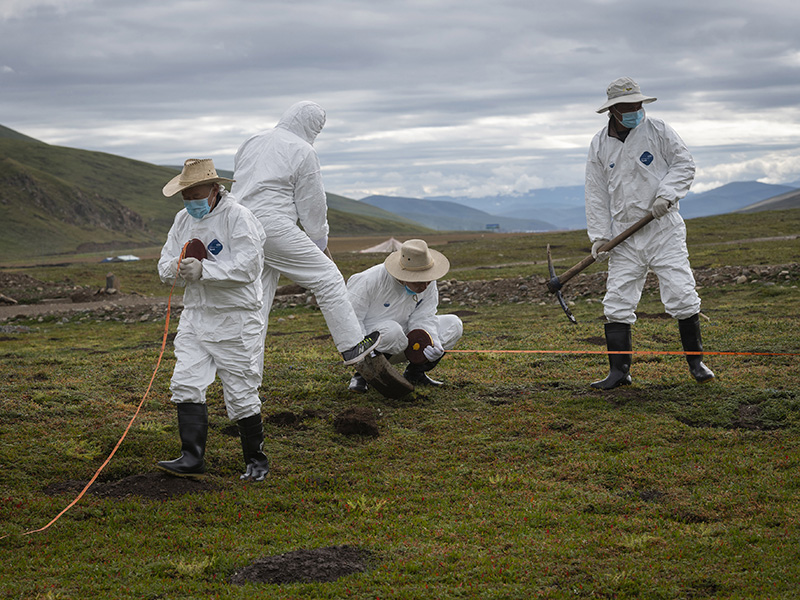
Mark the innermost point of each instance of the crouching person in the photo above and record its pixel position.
(400, 296)
(215, 249)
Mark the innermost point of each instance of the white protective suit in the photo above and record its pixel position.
(220, 329)
(622, 182)
(383, 304)
(278, 178)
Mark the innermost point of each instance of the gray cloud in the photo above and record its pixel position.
(423, 97)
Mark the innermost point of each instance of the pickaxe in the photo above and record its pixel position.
(556, 283)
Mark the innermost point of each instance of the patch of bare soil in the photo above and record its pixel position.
(306, 566)
(151, 486)
(357, 420)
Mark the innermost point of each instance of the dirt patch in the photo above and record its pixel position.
(306, 566)
(746, 416)
(749, 416)
(152, 486)
(357, 420)
(284, 418)
(38, 298)
(651, 495)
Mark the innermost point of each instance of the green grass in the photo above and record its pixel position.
(516, 480)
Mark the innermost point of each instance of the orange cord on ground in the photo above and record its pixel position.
(667, 352)
(138, 408)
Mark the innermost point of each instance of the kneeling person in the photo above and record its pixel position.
(399, 296)
(219, 332)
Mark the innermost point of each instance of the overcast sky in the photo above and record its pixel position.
(424, 98)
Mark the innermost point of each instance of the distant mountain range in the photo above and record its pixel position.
(563, 207)
(445, 215)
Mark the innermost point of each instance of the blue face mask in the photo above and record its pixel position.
(197, 208)
(632, 119)
(409, 291)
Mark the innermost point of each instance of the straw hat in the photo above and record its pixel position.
(624, 90)
(195, 171)
(416, 262)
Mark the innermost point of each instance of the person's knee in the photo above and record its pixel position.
(242, 406)
(620, 315)
(451, 328)
(393, 339)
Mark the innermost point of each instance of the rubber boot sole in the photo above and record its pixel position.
(184, 475)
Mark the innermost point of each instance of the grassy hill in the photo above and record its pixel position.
(782, 201)
(59, 200)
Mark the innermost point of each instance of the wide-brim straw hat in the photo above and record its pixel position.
(415, 262)
(196, 171)
(624, 90)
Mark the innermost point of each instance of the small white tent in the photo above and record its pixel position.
(389, 245)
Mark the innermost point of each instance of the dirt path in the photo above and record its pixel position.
(65, 306)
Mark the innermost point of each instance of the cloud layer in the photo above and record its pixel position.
(424, 98)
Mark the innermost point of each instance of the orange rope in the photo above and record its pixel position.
(130, 424)
(673, 352)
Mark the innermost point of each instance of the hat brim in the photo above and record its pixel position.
(439, 269)
(628, 99)
(174, 185)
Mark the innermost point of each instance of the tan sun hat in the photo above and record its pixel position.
(416, 262)
(624, 90)
(195, 172)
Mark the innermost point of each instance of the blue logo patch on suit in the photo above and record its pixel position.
(215, 246)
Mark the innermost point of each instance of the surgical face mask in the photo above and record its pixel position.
(197, 208)
(409, 291)
(632, 119)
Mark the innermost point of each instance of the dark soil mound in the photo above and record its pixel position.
(357, 420)
(153, 486)
(305, 566)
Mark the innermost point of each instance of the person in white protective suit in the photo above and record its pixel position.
(220, 328)
(400, 296)
(638, 164)
(278, 178)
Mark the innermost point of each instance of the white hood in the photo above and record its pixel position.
(304, 119)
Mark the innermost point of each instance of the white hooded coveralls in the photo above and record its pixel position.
(383, 304)
(622, 182)
(220, 329)
(278, 178)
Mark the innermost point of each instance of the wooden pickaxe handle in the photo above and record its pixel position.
(570, 273)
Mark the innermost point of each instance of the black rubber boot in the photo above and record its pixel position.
(618, 339)
(417, 374)
(193, 429)
(252, 434)
(692, 342)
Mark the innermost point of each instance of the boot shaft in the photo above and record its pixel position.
(251, 433)
(618, 339)
(193, 428)
(691, 339)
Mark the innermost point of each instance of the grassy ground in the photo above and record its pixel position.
(515, 481)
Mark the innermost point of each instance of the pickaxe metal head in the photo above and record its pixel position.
(554, 285)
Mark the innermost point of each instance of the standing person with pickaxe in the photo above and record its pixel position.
(638, 165)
